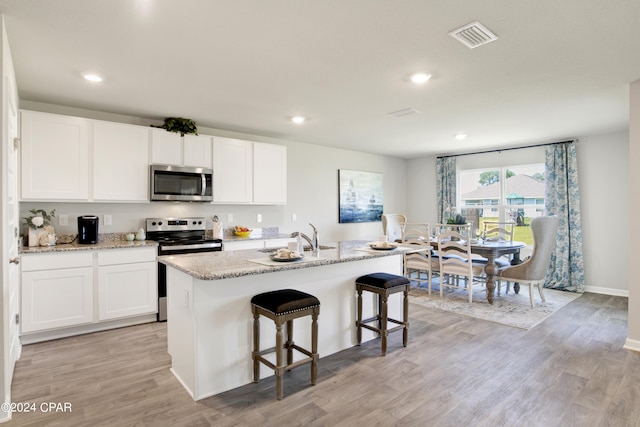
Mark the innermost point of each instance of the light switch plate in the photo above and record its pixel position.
(107, 220)
(63, 220)
(259, 217)
(294, 217)
(230, 218)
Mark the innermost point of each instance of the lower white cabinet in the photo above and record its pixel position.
(57, 291)
(127, 284)
(86, 289)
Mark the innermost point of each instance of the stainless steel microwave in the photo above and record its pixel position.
(181, 183)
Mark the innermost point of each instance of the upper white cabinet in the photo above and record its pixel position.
(169, 148)
(269, 173)
(246, 172)
(232, 170)
(54, 157)
(120, 162)
(197, 151)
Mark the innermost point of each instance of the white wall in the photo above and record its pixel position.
(604, 186)
(312, 191)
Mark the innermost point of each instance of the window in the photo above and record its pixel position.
(512, 193)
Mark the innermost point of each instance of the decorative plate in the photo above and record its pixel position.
(287, 259)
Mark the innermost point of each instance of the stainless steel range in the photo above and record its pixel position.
(177, 236)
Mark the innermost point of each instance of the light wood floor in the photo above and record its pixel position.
(456, 371)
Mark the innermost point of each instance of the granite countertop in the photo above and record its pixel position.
(105, 241)
(224, 265)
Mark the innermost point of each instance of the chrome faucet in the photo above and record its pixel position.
(313, 242)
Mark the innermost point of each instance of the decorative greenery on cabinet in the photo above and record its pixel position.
(179, 125)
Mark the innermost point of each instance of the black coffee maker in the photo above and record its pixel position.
(88, 229)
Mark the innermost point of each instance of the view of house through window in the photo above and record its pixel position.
(508, 194)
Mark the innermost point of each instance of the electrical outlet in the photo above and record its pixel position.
(63, 219)
(107, 220)
(230, 218)
(259, 217)
(294, 217)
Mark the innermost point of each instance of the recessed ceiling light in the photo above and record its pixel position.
(298, 119)
(92, 77)
(461, 136)
(420, 78)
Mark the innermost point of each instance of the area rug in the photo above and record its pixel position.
(508, 309)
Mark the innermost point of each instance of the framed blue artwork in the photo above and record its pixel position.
(360, 196)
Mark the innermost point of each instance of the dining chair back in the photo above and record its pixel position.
(455, 257)
(392, 225)
(419, 262)
(533, 270)
(499, 230)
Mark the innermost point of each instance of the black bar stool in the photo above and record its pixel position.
(282, 307)
(383, 284)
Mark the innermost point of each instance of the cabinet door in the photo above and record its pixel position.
(56, 298)
(54, 157)
(127, 290)
(238, 245)
(166, 147)
(232, 170)
(269, 173)
(198, 151)
(120, 162)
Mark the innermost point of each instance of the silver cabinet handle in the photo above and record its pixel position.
(15, 260)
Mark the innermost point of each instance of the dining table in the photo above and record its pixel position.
(492, 249)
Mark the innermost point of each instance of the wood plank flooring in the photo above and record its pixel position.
(571, 370)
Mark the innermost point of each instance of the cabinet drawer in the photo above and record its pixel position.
(38, 262)
(126, 256)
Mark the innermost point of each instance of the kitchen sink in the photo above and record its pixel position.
(306, 249)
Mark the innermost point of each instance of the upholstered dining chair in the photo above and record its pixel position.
(392, 225)
(533, 270)
(418, 262)
(455, 257)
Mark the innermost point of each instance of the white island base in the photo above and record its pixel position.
(209, 323)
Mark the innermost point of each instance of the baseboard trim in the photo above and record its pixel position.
(607, 291)
(35, 337)
(630, 344)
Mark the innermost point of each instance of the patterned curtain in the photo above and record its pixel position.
(446, 180)
(562, 199)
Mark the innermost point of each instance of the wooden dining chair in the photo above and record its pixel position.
(392, 225)
(496, 231)
(533, 270)
(418, 263)
(455, 258)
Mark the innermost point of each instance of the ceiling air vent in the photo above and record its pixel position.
(405, 112)
(473, 35)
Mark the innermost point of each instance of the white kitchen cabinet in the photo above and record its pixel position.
(269, 173)
(166, 147)
(246, 172)
(198, 151)
(120, 162)
(238, 245)
(69, 293)
(54, 157)
(56, 291)
(232, 171)
(127, 283)
(169, 148)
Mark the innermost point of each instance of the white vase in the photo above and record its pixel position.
(34, 236)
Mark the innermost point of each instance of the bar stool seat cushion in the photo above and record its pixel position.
(382, 280)
(284, 301)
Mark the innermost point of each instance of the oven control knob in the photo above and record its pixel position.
(153, 223)
(159, 222)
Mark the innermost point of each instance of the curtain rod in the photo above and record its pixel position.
(506, 149)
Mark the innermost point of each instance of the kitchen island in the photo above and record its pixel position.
(209, 322)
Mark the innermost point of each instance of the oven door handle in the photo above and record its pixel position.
(169, 249)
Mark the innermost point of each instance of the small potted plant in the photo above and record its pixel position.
(180, 125)
(39, 222)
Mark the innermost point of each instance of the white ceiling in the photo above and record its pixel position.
(559, 69)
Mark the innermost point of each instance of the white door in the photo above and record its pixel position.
(9, 218)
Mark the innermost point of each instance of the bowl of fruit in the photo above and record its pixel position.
(242, 231)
